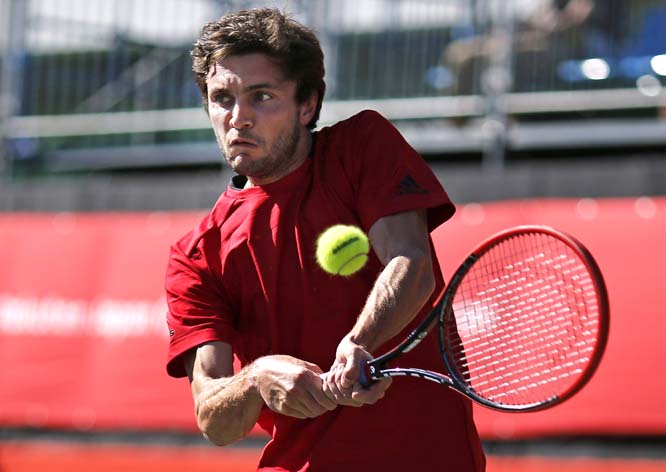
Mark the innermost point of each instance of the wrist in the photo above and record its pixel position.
(359, 339)
(254, 376)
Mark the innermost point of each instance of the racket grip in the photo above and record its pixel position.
(364, 377)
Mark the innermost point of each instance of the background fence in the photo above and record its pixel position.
(99, 84)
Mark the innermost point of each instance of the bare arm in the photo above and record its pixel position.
(227, 406)
(402, 244)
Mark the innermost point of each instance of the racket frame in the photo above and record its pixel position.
(376, 368)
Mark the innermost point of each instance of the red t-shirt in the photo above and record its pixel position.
(247, 276)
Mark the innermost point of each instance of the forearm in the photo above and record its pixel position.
(227, 408)
(399, 293)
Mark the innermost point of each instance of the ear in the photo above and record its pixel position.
(307, 109)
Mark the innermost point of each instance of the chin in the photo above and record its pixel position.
(240, 169)
(236, 162)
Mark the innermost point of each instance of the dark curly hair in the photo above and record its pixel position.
(263, 30)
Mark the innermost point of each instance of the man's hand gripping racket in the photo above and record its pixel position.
(523, 323)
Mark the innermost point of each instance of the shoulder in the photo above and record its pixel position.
(366, 132)
(210, 225)
(189, 240)
(366, 117)
(369, 135)
(357, 125)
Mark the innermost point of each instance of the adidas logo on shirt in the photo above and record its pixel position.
(409, 186)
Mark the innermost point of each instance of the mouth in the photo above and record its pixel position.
(241, 142)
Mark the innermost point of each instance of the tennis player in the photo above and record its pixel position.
(244, 282)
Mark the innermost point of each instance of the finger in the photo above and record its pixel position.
(326, 385)
(323, 395)
(301, 403)
(313, 400)
(351, 371)
(308, 407)
(287, 408)
(334, 387)
(342, 386)
(371, 394)
(293, 412)
(323, 400)
(326, 390)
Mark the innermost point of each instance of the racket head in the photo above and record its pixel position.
(526, 320)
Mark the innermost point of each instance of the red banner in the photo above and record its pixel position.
(83, 338)
(82, 321)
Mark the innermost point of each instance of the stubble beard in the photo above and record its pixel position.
(274, 163)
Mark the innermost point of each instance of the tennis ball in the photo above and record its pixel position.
(342, 250)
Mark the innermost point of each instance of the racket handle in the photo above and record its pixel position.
(364, 377)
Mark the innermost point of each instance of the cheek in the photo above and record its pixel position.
(219, 120)
(219, 129)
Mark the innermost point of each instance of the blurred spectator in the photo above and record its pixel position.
(555, 29)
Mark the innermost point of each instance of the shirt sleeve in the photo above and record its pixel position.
(198, 310)
(391, 177)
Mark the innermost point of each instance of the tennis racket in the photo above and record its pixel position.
(523, 323)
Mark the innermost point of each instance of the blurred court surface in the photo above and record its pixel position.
(26, 457)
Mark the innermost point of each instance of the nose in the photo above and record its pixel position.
(241, 116)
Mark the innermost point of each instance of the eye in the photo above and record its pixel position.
(263, 96)
(223, 99)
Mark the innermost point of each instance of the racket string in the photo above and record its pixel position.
(524, 321)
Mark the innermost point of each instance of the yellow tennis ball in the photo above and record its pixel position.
(342, 250)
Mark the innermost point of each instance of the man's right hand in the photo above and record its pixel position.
(291, 386)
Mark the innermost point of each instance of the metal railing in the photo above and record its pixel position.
(87, 74)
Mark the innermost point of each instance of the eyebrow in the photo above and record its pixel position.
(265, 85)
(249, 88)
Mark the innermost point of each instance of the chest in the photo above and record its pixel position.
(284, 301)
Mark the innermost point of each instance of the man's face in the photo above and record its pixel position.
(259, 126)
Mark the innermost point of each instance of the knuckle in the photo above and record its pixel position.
(301, 376)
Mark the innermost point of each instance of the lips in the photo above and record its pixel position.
(242, 142)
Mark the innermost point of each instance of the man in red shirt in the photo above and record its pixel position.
(245, 281)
